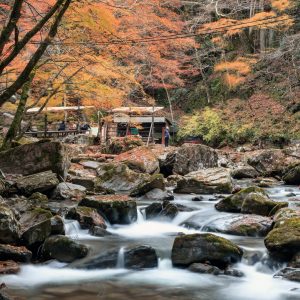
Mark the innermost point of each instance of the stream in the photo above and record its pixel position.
(55, 280)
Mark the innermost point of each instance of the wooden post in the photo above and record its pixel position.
(45, 125)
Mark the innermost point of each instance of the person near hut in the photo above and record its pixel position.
(167, 136)
(62, 126)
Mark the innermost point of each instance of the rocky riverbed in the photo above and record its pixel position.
(187, 223)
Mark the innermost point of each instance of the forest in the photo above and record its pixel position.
(229, 70)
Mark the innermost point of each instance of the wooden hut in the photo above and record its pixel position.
(124, 121)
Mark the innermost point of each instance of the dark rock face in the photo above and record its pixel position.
(19, 254)
(139, 257)
(35, 227)
(207, 181)
(66, 190)
(204, 269)
(63, 249)
(35, 158)
(9, 226)
(98, 231)
(202, 248)
(292, 176)
(189, 158)
(40, 182)
(57, 225)
(292, 274)
(163, 210)
(86, 216)
(284, 241)
(252, 200)
(156, 181)
(117, 209)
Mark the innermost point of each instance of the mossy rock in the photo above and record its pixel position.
(234, 202)
(63, 249)
(285, 214)
(202, 248)
(284, 240)
(261, 205)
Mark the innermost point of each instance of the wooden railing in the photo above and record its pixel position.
(54, 134)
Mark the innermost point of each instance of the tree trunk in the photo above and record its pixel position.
(16, 123)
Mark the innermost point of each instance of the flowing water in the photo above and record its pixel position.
(56, 280)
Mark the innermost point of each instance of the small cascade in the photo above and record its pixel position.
(140, 216)
(120, 261)
(74, 231)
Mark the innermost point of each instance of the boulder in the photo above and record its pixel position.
(253, 200)
(122, 144)
(261, 205)
(203, 248)
(292, 274)
(141, 159)
(9, 226)
(117, 209)
(204, 269)
(35, 227)
(155, 181)
(208, 181)
(35, 158)
(284, 241)
(66, 190)
(90, 164)
(98, 231)
(19, 254)
(189, 158)
(57, 225)
(41, 182)
(158, 194)
(242, 172)
(243, 225)
(9, 267)
(118, 178)
(136, 257)
(88, 183)
(63, 249)
(270, 162)
(285, 214)
(292, 175)
(86, 216)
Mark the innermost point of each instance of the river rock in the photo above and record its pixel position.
(243, 225)
(189, 158)
(9, 226)
(156, 181)
(88, 183)
(292, 274)
(86, 216)
(136, 257)
(66, 190)
(284, 240)
(35, 158)
(118, 178)
(202, 248)
(242, 172)
(204, 269)
(158, 194)
(270, 162)
(117, 209)
(9, 267)
(98, 231)
(40, 182)
(63, 249)
(141, 159)
(285, 214)
(208, 181)
(261, 205)
(19, 254)
(253, 200)
(292, 175)
(90, 164)
(57, 225)
(35, 227)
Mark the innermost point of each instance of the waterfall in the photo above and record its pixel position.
(120, 261)
(140, 216)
